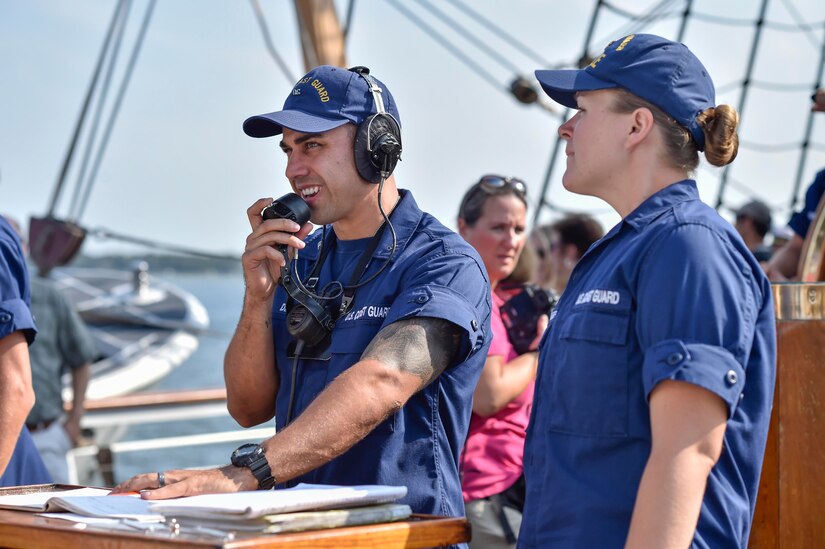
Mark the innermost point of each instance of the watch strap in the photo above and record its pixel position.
(262, 472)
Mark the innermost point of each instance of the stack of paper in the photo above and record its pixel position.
(89, 502)
(305, 507)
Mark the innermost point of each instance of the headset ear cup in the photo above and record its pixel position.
(362, 156)
(382, 132)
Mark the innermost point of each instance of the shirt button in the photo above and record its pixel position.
(474, 324)
(5, 317)
(675, 358)
(421, 299)
(731, 377)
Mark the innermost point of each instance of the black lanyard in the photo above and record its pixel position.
(360, 269)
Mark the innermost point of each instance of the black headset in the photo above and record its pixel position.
(378, 141)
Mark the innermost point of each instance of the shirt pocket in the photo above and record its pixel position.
(589, 394)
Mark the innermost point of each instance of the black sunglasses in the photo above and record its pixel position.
(495, 183)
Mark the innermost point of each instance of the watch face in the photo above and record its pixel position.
(242, 454)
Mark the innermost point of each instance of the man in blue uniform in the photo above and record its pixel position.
(19, 461)
(656, 374)
(785, 262)
(385, 397)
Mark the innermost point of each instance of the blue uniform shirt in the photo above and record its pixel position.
(25, 466)
(670, 293)
(801, 221)
(433, 273)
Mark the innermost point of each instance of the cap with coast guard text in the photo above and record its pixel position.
(326, 98)
(660, 71)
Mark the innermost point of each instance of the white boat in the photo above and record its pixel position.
(142, 329)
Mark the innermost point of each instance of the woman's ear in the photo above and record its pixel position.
(462, 226)
(642, 123)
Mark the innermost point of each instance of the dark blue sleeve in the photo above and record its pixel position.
(452, 287)
(15, 298)
(697, 308)
(801, 221)
(26, 466)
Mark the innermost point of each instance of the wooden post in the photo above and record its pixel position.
(791, 499)
(322, 38)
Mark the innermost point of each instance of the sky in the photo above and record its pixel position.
(179, 169)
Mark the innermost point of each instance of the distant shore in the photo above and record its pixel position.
(159, 263)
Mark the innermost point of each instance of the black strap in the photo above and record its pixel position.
(506, 529)
(360, 270)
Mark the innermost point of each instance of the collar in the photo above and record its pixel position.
(658, 203)
(405, 218)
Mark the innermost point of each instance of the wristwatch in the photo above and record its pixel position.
(253, 456)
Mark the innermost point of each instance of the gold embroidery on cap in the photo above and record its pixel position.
(624, 42)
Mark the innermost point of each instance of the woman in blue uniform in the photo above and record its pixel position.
(656, 374)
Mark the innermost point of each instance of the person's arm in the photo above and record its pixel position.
(687, 428)
(501, 382)
(403, 358)
(80, 381)
(16, 393)
(250, 370)
(785, 262)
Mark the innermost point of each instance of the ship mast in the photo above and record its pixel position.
(322, 38)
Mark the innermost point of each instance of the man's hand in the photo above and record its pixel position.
(261, 260)
(189, 482)
(72, 428)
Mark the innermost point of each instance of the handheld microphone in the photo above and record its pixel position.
(307, 320)
(290, 206)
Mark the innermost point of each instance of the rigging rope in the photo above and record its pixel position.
(100, 232)
(638, 22)
(769, 147)
(446, 44)
(797, 17)
(627, 14)
(503, 34)
(462, 31)
(102, 96)
(116, 107)
(270, 47)
(348, 23)
(773, 25)
(61, 179)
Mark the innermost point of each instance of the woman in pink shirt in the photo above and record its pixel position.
(492, 218)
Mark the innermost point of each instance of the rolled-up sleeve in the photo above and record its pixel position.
(15, 314)
(451, 287)
(697, 312)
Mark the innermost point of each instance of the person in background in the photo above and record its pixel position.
(384, 395)
(539, 244)
(19, 461)
(492, 219)
(657, 372)
(753, 221)
(785, 261)
(63, 342)
(563, 243)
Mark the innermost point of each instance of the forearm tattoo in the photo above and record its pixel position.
(423, 347)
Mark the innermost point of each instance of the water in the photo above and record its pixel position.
(222, 295)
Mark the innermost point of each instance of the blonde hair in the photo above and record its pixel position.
(718, 124)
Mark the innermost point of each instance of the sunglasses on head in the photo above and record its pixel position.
(495, 183)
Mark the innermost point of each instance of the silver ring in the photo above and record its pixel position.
(161, 479)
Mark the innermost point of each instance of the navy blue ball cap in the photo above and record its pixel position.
(660, 71)
(326, 98)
